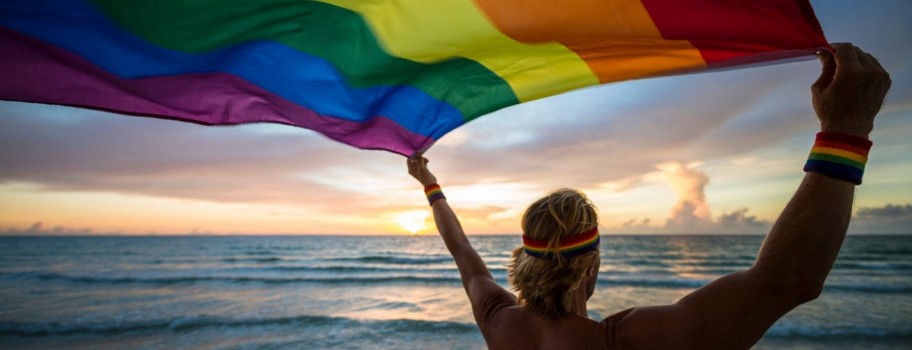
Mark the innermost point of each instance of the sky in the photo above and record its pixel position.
(717, 152)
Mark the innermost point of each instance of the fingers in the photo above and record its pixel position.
(863, 57)
(416, 161)
(885, 81)
(871, 63)
(414, 158)
(829, 70)
(846, 58)
(412, 163)
(845, 54)
(852, 63)
(876, 62)
(848, 54)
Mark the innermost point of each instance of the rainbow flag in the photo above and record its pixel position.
(378, 74)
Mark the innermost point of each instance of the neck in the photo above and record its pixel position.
(579, 299)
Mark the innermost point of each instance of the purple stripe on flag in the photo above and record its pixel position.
(33, 70)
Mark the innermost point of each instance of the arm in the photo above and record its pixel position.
(733, 312)
(485, 295)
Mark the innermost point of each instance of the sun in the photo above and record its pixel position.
(412, 221)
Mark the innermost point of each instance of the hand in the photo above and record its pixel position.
(850, 91)
(417, 167)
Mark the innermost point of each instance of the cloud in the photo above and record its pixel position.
(636, 223)
(89, 151)
(485, 213)
(739, 218)
(737, 221)
(691, 212)
(889, 213)
(691, 209)
(890, 218)
(38, 229)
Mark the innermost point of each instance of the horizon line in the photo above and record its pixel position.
(188, 235)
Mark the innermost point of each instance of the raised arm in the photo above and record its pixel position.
(806, 238)
(733, 312)
(485, 295)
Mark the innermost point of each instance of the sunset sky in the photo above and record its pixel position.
(717, 152)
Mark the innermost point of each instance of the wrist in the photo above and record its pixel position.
(852, 131)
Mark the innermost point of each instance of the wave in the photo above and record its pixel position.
(392, 279)
(652, 282)
(260, 252)
(270, 259)
(831, 332)
(361, 269)
(869, 288)
(395, 260)
(431, 277)
(671, 263)
(185, 324)
(236, 279)
(189, 324)
(658, 282)
(716, 263)
(873, 265)
(637, 262)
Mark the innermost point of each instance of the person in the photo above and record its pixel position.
(555, 270)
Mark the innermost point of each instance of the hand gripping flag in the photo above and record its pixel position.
(378, 74)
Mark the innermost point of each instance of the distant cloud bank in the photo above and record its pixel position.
(895, 219)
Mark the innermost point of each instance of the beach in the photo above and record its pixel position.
(387, 292)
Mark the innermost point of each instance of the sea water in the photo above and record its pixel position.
(336, 292)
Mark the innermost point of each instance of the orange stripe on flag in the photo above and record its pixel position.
(635, 49)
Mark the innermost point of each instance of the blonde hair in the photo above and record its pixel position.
(546, 285)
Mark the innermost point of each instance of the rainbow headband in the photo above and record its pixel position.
(568, 247)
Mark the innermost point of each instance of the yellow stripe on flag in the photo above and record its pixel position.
(430, 31)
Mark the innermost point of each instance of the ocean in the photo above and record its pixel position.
(377, 292)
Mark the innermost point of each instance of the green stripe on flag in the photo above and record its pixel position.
(337, 35)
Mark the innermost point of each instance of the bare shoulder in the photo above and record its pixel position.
(647, 327)
(488, 299)
(613, 319)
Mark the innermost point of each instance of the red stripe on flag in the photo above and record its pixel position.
(735, 32)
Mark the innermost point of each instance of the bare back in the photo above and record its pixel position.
(512, 328)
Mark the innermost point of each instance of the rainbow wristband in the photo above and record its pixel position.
(433, 193)
(839, 156)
